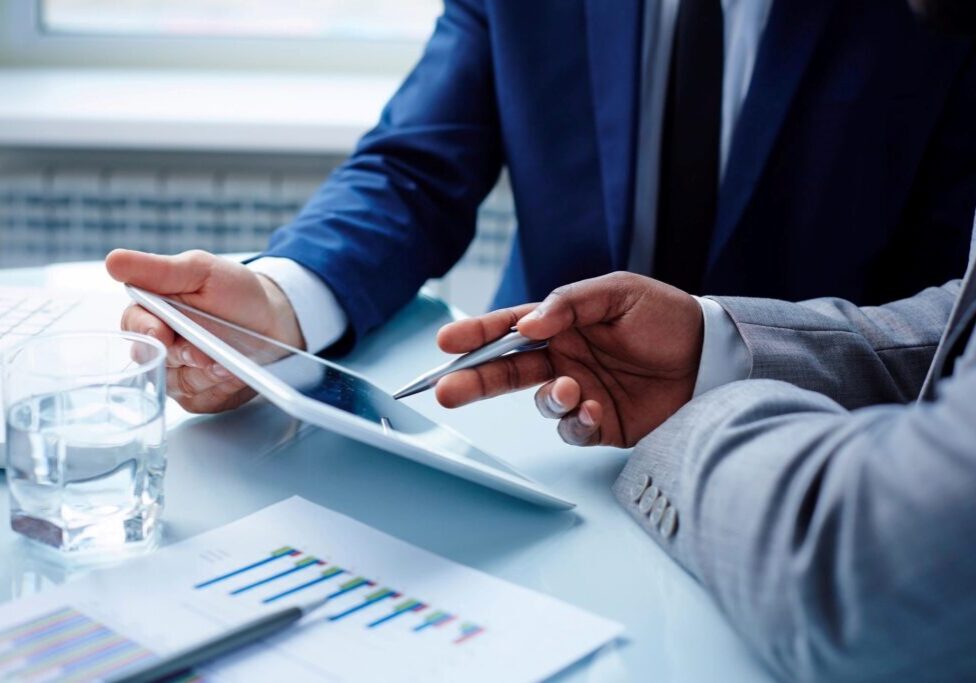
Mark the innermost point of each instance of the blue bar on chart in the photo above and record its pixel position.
(435, 619)
(66, 645)
(303, 563)
(327, 574)
(278, 554)
(350, 585)
(403, 608)
(370, 599)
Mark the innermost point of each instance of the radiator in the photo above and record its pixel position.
(79, 205)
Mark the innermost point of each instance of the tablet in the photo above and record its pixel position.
(329, 396)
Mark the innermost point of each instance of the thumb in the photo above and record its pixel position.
(589, 302)
(181, 274)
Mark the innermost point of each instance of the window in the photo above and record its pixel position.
(345, 19)
(354, 36)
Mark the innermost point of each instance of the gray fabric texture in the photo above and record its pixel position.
(857, 356)
(837, 541)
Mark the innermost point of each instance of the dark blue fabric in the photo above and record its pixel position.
(852, 171)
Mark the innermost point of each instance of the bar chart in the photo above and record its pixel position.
(388, 611)
(288, 572)
(66, 645)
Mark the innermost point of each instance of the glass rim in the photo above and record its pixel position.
(139, 367)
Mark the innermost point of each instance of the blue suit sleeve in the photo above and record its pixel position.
(402, 208)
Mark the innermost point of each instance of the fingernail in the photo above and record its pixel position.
(585, 418)
(553, 405)
(536, 314)
(219, 371)
(151, 332)
(186, 356)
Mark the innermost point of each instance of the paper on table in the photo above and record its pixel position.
(398, 612)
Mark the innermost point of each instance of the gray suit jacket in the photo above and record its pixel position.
(839, 539)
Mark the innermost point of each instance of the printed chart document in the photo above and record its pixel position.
(395, 612)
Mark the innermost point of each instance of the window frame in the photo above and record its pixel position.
(24, 43)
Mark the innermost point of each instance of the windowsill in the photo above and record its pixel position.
(188, 111)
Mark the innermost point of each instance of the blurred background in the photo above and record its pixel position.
(183, 124)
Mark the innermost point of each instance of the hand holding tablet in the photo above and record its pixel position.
(220, 286)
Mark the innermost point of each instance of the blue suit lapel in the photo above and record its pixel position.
(788, 44)
(614, 38)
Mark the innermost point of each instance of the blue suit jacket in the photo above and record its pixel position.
(857, 137)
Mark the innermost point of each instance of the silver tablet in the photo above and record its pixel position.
(322, 393)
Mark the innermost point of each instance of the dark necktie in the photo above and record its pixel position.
(688, 196)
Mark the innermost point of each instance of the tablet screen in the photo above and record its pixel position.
(314, 377)
(328, 383)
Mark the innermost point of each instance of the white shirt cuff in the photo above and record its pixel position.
(725, 357)
(319, 315)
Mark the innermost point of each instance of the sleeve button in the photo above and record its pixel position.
(647, 500)
(660, 505)
(669, 522)
(639, 488)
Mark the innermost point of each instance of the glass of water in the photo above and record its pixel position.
(86, 440)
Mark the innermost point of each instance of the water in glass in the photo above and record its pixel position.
(85, 464)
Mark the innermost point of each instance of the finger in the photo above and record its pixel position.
(498, 377)
(186, 272)
(135, 318)
(187, 382)
(585, 303)
(220, 372)
(216, 398)
(558, 397)
(182, 352)
(582, 426)
(215, 401)
(472, 333)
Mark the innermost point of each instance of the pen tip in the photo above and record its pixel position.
(410, 390)
(403, 392)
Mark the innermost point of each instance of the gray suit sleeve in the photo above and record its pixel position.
(858, 356)
(840, 544)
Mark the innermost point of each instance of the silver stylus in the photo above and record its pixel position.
(183, 662)
(510, 343)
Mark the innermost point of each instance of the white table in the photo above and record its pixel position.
(223, 467)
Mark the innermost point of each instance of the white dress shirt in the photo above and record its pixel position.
(725, 357)
(319, 314)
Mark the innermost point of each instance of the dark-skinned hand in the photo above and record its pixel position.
(623, 356)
